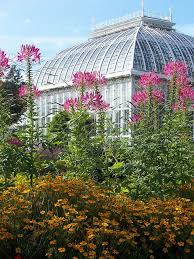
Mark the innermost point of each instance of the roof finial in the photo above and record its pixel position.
(142, 8)
(170, 11)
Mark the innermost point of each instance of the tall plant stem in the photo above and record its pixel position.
(30, 104)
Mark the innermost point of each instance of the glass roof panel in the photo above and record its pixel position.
(143, 48)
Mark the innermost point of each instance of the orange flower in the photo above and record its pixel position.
(181, 243)
(53, 242)
(92, 246)
(189, 242)
(104, 243)
(187, 251)
(61, 250)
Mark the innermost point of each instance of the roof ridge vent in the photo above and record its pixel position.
(130, 21)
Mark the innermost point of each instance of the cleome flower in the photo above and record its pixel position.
(139, 98)
(29, 52)
(158, 96)
(135, 118)
(88, 101)
(177, 67)
(88, 79)
(25, 91)
(15, 142)
(149, 79)
(4, 63)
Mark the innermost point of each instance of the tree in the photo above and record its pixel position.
(10, 86)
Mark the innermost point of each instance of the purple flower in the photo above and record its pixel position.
(15, 142)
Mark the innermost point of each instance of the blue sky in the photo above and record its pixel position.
(54, 25)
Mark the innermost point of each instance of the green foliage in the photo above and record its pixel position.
(79, 156)
(16, 105)
(58, 129)
(161, 156)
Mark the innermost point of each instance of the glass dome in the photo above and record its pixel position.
(140, 44)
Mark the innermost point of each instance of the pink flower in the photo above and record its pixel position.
(36, 92)
(15, 141)
(71, 104)
(139, 98)
(92, 101)
(78, 79)
(29, 52)
(158, 96)
(149, 79)
(136, 118)
(186, 94)
(175, 67)
(88, 79)
(4, 62)
(89, 101)
(99, 79)
(24, 91)
(178, 106)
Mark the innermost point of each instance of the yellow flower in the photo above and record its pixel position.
(92, 246)
(105, 224)
(42, 212)
(53, 242)
(189, 241)
(83, 243)
(104, 252)
(104, 243)
(61, 250)
(187, 251)
(181, 243)
(20, 235)
(92, 253)
(91, 236)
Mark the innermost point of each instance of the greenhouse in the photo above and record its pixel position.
(122, 50)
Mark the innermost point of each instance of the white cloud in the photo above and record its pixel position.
(27, 21)
(186, 29)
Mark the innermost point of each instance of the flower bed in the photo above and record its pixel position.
(61, 218)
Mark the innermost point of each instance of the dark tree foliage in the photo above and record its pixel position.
(10, 86)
